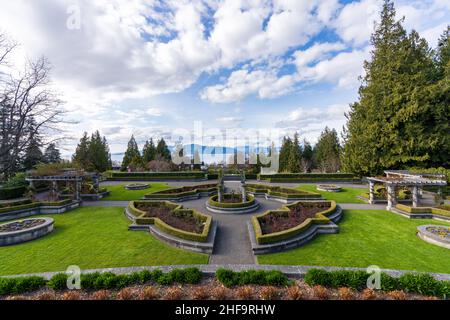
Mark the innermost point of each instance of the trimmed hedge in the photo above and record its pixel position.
(30, 205)
(320, 218)
(412, 210)
(285, 193)
(309, 177)
(177, 209)
(423, 284)
(9, 286)
(116, 175)
(14, 203)
(180, 192)
(7, 193)
(213, 201)
(230, 278)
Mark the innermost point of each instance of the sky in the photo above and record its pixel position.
(256, 69)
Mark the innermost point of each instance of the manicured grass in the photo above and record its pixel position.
(92, 237)
(370, 238)
(119, 193)
(347, 195)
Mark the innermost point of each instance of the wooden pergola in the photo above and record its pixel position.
(70, 176)
(403, 178)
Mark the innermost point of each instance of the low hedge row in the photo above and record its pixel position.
(181, 192)
(320, 218)
(309, 177)
(12, 192)
(231, 278)
(437, 211)
(97, 281)
(141, 219)
(280, 192)
(31, 205)
(156, 175)
(213, 201)
(15, 203)
(423, 284)
(311, 180)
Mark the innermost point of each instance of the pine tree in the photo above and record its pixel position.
(132, 154)
(295, 155)
(149, 151)
(285, 151)
(98, 153)
(81, 155)
(327, 151)
(52, 154)
(393, 123)
(33, 153)
(162, 151)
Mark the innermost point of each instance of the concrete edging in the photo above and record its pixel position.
(22, 213)
(20, 236)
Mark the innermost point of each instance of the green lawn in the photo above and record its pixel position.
(370, 238)
(347, 195)
(92, 237)
(119, 193)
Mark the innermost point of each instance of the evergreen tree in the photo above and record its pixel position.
(295, 155)
(52, 154)
(132, 154)
(33, 153)
(149, 151)
(81, 155)
(394, 124)
(98, 153)
(285, 152)
(162, 151)
(327, 151)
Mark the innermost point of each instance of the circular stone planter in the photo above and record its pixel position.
(329, 188)
(137, 186)
(250, 205)
(434, 234)
(24, 230)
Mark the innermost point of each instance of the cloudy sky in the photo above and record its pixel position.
(148, 67)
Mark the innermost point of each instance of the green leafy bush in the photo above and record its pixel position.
(58, 282)
(421, 283)
(230, 278)
(20, 285)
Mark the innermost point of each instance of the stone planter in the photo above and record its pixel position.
(137, 186)
(329, 188)
(237, 207)
(26, 234)
(434, 234)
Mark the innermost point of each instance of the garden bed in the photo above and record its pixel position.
(329, 188)
(232, 203)
(137, 186)
(183, 193)
(25, 230)
(280, 193)
(292, 220)
(437, 235)
(171, 218)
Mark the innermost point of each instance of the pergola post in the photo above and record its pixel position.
(54, 189)
(391, 197)
(371, 192)
(415, 196)
(96, 183)
(77, 190)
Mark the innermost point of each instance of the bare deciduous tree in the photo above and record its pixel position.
(28, 106)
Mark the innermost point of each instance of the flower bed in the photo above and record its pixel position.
(434, 234)
(231, 201)
(171, 218)
(291, 220)
(137, 186)
(182, 192)
(24, 230)
(329, 188)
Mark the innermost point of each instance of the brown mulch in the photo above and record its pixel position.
(275, 223)
(185, 222)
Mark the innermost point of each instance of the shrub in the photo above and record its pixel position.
(173, 293)
(268, 293)
(397, 295)
(101, 295)
(244, 293)
(423, 284)
(126, 294)
(149, 293)
(71, 295)
(230, 278)
(320, 292)
(145, 276)
(294, 293)
(58, 282)
(200, 293)
(7, 193)
(10, 286)
(388, 283)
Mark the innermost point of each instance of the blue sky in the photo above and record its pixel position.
(150, 68)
